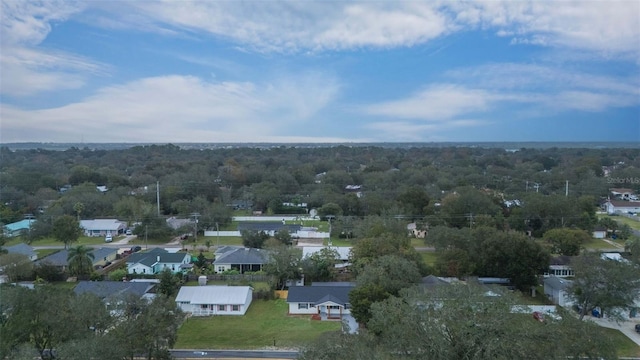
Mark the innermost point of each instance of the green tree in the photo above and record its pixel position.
(383, 277)
(565, 241)
(609, 284)
(632, 246)
(16, 266)
(283, 236)
(254, 239)
(283, 264)
(320, 266)
(168, 285)
(118, 274)
(66, 229)
(329, 209)
(80, 260)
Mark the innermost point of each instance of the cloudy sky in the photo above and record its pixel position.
(319, 71)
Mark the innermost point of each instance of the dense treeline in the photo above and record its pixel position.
(404, 181)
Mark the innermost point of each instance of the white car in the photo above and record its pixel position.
(108, 239)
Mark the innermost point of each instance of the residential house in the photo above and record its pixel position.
(101, 256)
(621, 206)
(413, 230)
(156, 260)
(241, 204)
(23, 249)
(175, 223)
(599, 232)
(214, 300)
(114, 291)
(622, 193)
(560, 266)
(240, 258)
(433, 281)
(557, 290)
(329, 300)
(270, 228)
(17, 228)
(102, 227)
(344, 253)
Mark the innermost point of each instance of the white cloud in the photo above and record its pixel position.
(413, 131)
(610, 28)
(27, 69)
(436, 103)
(178, 109)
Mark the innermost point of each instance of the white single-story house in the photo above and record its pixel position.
(17, 228)
(240, 258)
(413, 230)
(23, 249)
(621, 206)
(156, 260)
(102, 227)
(215, 299)
(329, 300)
(557, 290)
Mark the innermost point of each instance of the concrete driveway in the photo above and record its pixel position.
(626, 327)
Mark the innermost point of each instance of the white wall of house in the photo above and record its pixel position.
(559, 297)
(302, 308)
(138, 268)
(220, 268)
(217, 309)
(599, 234)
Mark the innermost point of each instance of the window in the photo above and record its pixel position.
(222, 308)
(303, 306)
(220, 268)
(235, 307)
(203, 306)
(333, 307)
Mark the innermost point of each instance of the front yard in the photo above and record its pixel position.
(264, 323)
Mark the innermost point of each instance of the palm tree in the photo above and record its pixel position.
(80, 260)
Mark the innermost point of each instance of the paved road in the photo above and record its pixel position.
(233, 354)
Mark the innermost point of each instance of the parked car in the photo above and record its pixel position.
(129, 232)
(638, 328)
(108, 239)
(135, 248)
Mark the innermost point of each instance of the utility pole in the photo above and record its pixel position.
(158, 196)
(195, 223)
(566, 191)
(218, 231)
(470, 216)
(146, 245)
(330, 217)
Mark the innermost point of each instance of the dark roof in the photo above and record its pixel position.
(319, 294)
(107, 289)
(560, 260)
(557, 283)
(243, 256)
(151, 257)
(60, 258)
(267, 226)
(21, 248)
(599, 228)
(333, 283)
(431, 280)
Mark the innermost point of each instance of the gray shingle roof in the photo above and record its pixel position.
(107, 289)
(60, 258)
(21, 248)
(151, 257)
(431, 280)
(557, 283)
(319, 294)
(243, 256)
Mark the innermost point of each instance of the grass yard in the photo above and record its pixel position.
(623, 220)
(624, 345)
(598, 245)
(339, 242)
(429, 257)
(83, 240)
(264, 323)
(45, 252)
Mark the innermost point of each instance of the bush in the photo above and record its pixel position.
(264, 294)
(49, 273)
(117, 275)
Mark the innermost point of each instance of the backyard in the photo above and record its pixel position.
(266, 323)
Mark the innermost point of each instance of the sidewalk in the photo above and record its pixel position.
(626, 327)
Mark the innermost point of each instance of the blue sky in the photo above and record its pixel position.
(319, 71)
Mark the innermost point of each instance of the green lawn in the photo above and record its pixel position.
(45, 252)
(624, 220)
(429, 257)
(598, 244)
(338, 242)
(624, 345)
(264, 323)
(83, 240)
